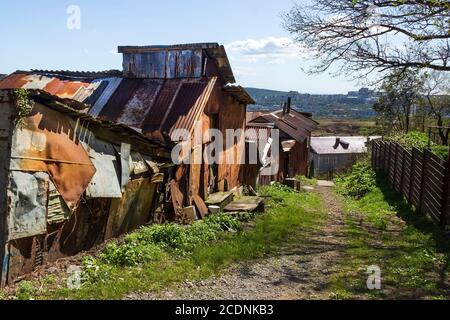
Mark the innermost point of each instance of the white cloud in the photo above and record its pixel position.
(275, 50)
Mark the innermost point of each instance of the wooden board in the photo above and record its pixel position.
(246, 204)
(177, 197)
(201, 206)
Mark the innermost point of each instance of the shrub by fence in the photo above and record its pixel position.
(419, 175)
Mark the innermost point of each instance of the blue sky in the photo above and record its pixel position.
(261, 52)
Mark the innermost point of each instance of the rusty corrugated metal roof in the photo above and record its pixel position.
(156, 107)
(86, 89)
(294, 124)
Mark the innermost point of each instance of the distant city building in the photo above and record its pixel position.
(355, 104)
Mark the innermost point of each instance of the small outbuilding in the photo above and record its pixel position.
(295, 129)
(331, 155)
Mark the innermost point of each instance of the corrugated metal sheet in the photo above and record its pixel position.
(139, 103)
(133, 209)
(94, 92)
(125, 165)
(46, 142)
(294, 124)
(158, 105)
(185, 107)
(106, 181)
(105, 96)
(159, 109)
(164, 64)
(27, 193)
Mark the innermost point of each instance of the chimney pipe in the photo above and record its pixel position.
(289, 103)
(338, 143)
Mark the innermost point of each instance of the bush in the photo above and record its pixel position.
(168, 236)
(419, 140)
(222, 222)
(149, 242)
(281, 188)
(359, 182)
(130, 253)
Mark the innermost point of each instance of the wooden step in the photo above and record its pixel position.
(246, 204)
(220, 199)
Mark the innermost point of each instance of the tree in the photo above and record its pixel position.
(437, 100)
(369, 35)
(401, 94)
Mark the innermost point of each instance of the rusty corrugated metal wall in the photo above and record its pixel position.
(6, 119)
(43, 222)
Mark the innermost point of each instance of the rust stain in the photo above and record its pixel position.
(67, 161)
(13, 81)
(64, 89)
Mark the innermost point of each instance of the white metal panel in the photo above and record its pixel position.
(28, 204)
(113, 84)
(105, 183)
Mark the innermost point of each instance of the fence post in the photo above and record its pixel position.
(422, 182)
(386, 159)
(389, 163)
(411, 175)
(402, 180)
(394, 179)
(373, 156)
(445, 195)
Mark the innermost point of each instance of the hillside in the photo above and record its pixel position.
(354, 105)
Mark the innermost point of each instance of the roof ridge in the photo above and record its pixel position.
(69, 73)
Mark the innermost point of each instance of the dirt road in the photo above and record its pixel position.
(298, 271)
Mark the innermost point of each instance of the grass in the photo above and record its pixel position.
(142, 263)
(412, 252)
(304, 181)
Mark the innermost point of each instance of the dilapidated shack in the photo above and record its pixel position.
(162, 90)
(294, 129)
(96, 149)
(68, 181)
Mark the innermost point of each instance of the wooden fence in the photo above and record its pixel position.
(419, 175)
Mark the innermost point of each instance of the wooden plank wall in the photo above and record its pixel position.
(420, 176)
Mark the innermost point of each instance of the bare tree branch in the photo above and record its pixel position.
(373, 34)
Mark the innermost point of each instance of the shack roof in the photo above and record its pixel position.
(293, 123)
(75, 109)
(153, 105)
(156, 107)
(340, 145)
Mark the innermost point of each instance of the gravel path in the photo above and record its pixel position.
(297, 271)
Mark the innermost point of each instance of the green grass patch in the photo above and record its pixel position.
(156, 257)
(383, 230)
(304, 181)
